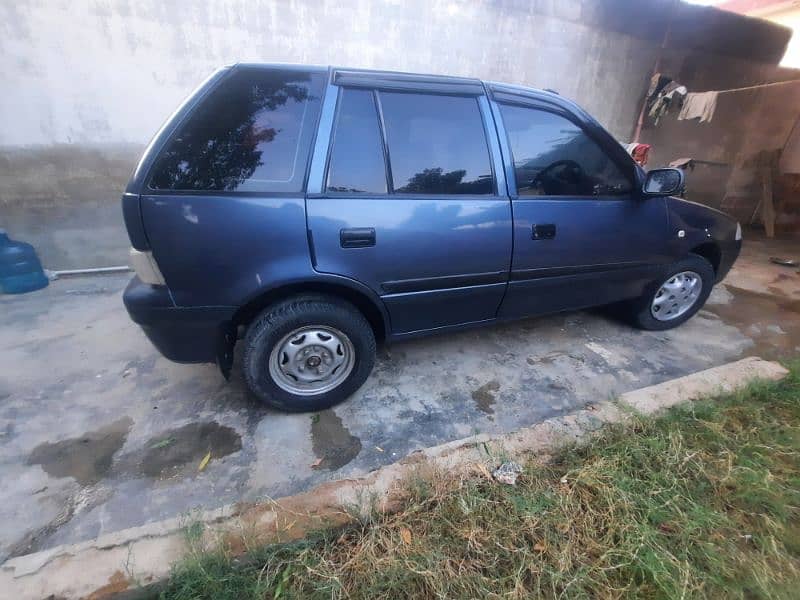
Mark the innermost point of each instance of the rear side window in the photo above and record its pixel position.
(357, 163)
(250, 134)
(555, 157)
(437, 144)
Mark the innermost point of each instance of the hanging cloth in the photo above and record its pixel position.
(699, 106)
(672, 93)
(640, 153)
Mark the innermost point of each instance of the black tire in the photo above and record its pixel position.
(278, 321)
(640, 308)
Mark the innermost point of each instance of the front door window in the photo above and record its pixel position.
(554, 157)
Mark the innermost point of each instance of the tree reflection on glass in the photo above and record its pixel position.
(248, 128)
(436, 181)
(436, 143)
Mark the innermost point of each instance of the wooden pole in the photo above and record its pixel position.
(656, 68)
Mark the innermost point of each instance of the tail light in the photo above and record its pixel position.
(145, 266)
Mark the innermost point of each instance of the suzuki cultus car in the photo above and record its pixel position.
(312, 212)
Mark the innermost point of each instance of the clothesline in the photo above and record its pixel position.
(665, 92)
(753, 87)
(703, 104)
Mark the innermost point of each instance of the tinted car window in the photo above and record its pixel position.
(252, 133)
(555, 157)
(357, 163)
(436, 144)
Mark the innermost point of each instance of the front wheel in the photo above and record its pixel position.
(308, 353)
(675, 297)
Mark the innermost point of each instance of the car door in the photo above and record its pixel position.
(408, 201)
(583, 233)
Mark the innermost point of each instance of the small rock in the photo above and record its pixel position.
(507, 473)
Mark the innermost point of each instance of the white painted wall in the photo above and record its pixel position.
(110, 71)
(86, 83)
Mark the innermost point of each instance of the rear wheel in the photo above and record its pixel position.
(308, 353)
(676, 296)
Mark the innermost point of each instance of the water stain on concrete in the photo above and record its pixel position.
(34, 540)
(772, 322)
(551, 357)
(332, 443)
(484, 396)
(141, 366)
(86, 458)
(171, 451)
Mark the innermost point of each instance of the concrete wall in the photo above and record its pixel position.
(790, 158)
(87, 82)
(748, 127)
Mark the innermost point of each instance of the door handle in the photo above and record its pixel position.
(543, 232)
(357, 237)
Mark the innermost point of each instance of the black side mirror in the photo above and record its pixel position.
(663, 182)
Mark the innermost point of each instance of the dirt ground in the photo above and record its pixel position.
(98, 432)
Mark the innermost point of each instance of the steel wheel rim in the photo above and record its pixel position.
(676, 296)
(311, 360)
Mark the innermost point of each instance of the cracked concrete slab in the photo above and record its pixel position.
(73, 366)
(137, 557)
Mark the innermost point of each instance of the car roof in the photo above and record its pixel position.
(401, 80)
(341, 74)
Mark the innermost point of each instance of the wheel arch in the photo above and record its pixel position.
(366, 302)
(711, 252)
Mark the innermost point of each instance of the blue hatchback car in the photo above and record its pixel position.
(314, 211)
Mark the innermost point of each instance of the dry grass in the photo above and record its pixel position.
(703, 502)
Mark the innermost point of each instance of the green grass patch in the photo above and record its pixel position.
(702, 502)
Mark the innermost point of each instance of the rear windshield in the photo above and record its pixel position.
(250, 134)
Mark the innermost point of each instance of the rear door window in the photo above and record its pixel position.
(250, 134)
(357, 163)
(554, 157)
(437, 144)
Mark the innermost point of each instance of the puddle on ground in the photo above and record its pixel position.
(170, 451)
(333, 444)
(87, 458)
(772, 322)
(484, 396)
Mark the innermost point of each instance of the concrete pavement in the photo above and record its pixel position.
(98, 432)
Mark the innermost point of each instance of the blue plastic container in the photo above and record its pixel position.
(20, 269)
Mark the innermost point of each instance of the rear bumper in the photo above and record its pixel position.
(729, 252)
(181, 334)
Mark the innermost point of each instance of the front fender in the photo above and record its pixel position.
(694, 225)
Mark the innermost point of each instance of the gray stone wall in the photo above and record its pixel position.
(87, 82)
